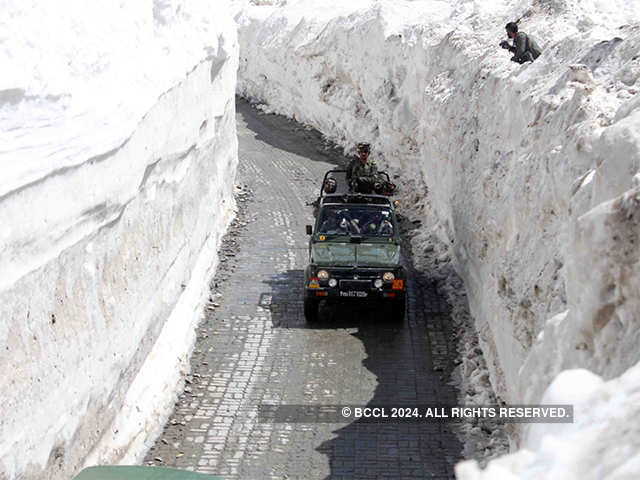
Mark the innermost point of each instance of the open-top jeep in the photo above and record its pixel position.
(354, 250)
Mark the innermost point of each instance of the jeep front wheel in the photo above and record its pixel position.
(398, 310)
(310, 309)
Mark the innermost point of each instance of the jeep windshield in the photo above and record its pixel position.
(346, 221)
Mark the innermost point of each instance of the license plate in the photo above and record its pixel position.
(354, 294)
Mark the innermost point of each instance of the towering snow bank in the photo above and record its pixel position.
(530, 169)
(118, 151)
(602, 443)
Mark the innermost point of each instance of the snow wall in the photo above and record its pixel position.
(532, 180)
(118, 151)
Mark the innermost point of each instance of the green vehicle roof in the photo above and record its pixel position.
(139, 473)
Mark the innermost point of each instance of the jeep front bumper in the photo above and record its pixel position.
(346, 284)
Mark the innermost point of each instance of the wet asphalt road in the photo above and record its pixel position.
(254, 346)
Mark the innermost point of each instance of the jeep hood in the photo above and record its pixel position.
(354, 254)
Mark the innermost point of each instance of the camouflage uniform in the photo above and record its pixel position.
(364, 175)
(367, 169)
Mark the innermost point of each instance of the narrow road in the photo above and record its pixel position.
(254, 346)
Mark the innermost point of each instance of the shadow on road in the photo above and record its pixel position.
(403, 363)
(401, 358)
(286, 134)
(396, 450)
(285, 302)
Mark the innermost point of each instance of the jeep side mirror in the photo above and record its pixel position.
(309, 229)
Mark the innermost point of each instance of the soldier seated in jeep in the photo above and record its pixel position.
(338, 222)
(377, 224)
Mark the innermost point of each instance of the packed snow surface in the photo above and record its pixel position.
(77, 81)
(532, 174)
(118, 152)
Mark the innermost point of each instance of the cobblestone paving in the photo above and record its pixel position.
(254, 346)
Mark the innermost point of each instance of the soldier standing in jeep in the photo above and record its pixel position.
(361, 174)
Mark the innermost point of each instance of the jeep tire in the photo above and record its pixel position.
(311, 309)
(398, 309)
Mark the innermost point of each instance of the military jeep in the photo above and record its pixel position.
(354, 252)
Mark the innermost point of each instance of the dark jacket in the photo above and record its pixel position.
(361, 170)
(357, 169)
(524, 48)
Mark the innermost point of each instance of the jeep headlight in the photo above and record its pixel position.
(324, 275)
(387, 277)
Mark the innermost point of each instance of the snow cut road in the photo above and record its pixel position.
(255, 347)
